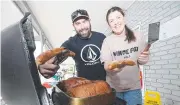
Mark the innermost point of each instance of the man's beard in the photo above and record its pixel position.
(84, 35)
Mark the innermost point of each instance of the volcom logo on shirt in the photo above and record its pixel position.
(90, 54)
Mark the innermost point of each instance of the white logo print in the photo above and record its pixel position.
(90, 53)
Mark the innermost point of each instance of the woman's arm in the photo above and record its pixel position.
(105, 57)
(143, 58)
(144, 49)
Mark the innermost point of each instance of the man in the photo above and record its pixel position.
(86, 44)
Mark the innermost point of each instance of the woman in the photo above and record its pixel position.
(121, 45)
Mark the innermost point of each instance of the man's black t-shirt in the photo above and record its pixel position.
(87, 57)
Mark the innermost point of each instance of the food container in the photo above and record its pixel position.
(61, 98)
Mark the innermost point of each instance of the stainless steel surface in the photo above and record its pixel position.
(20, 82)
(153, 34)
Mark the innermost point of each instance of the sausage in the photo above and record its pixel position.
(116, 64)
(129, 62)
(45, 56)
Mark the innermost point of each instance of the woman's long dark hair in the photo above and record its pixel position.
(129, 33)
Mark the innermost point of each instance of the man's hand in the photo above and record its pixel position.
(48, 69)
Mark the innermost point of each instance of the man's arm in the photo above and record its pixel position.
(49, 69)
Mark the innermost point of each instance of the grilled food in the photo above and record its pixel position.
(82, 88)
(45, 56)
(117, 64)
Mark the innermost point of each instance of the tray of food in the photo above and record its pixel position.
(80, 91)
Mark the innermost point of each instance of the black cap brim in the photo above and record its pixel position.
(80, 17)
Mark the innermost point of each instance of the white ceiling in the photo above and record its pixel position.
(54, 16)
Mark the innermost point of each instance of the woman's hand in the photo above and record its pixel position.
(143, 58)
(116, 64)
